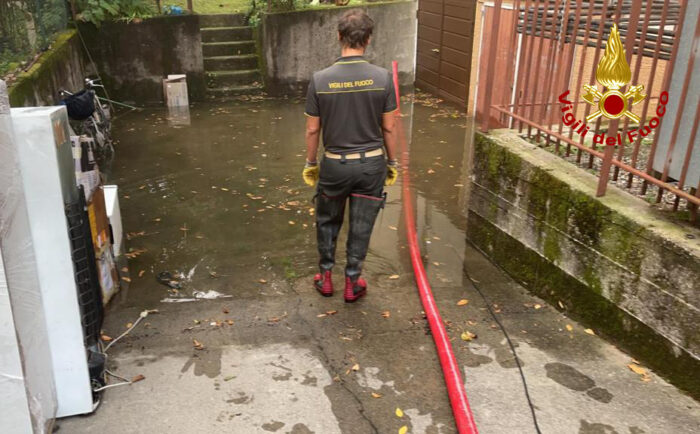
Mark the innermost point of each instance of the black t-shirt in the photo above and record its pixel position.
(350, 97)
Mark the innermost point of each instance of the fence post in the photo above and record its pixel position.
(190, 8)
(491, 65)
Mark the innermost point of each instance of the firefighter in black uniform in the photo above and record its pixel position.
(353, 103)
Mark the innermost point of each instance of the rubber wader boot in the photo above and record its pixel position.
(363, 213)
(329, 219)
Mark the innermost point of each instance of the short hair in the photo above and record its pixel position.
(355, 27)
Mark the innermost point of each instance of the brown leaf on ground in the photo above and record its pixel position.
(105, 338)
(569, 327)
(639, 370)
(138, 378)
(224, 310)
(229, 322)
(356, 367)
(129, 325)
(376, 395)
(394, 276)
(462, 302)
(538, 306)
(590, 332)
(126, 279)
(386, 314)
(141, 273)
(331, 312)
(468, 336)
(262, 281)
(197, 345)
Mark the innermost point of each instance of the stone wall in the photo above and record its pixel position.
(133, 58)
(295, 44)
(64, 66)
(611, 262)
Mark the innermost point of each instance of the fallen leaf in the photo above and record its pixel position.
(399, 412)
(394, 276)
(138, 378)
(468, 336)
(386, 314)
(291, 222)
(229, 377)
(321, 315)
(126, 279)
(331, 312)
(590, 332)
(561, 305)
(141, 273)
(393, 228)
(538, 306)
(403, 430)
(262, 281)
(105, 338)
(376, 395)
(639, 370)
(224, 310)
(125, 269)
(462, 302)
(569, 327)
(129, 325)
(229, 322)
(356, 367)
(197, 345)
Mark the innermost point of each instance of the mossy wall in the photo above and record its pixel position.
(133, 58)
(613, 263)
(64, 66)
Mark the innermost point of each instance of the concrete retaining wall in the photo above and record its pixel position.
(295, 44)
(63, 67)
(611, 262)
(133, 58)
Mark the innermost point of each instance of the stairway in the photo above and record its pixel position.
(230, 56)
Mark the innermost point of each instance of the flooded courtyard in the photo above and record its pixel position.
(221, 242)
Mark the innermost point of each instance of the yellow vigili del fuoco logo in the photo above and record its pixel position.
(613, 73)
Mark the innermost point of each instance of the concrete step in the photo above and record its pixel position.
(222, 20)
(228, 63)
(213, 49)
(227, 34)
(225, 92)
(219, 79)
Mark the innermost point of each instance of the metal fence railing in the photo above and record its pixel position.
(591, 80)
(27, 27)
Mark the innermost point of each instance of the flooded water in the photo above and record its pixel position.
(217, 212)
(224, 194)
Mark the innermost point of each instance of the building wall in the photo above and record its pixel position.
(295, 44)
(610, 262)
(133, 58)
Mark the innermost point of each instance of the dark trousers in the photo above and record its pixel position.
(361, 183)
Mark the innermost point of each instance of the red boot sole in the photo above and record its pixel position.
(356, 297)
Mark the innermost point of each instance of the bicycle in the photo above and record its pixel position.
(89, 117)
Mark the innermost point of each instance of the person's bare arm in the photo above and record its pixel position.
(389, 126)
(313, 133)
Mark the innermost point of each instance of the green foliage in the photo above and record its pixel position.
(97, 11)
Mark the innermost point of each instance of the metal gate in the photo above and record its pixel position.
(445, 38)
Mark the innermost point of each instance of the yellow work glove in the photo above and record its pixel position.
(392, 172)
(310, 173)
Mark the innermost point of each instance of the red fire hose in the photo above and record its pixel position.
(464, 418)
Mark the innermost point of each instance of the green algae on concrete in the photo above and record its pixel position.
(611, 262)
(60, 66)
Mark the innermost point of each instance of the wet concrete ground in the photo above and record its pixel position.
(221, 203)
